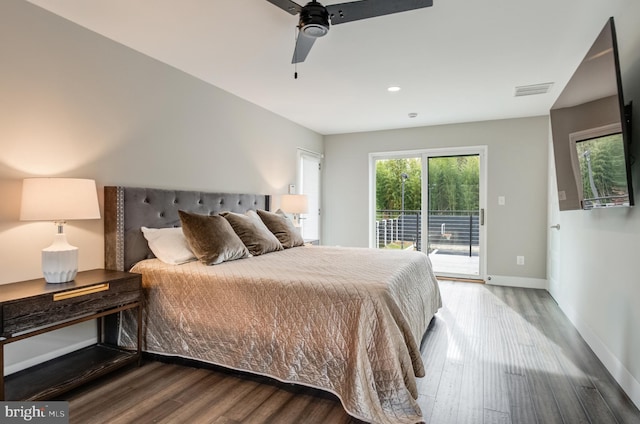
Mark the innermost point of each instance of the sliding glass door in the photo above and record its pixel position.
(432, 201)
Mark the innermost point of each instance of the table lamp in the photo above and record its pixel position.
(59, 200)
(295, 204)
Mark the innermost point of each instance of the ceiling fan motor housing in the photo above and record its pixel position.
(314, 20)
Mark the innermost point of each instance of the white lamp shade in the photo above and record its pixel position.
(59, 199)
(294, 203)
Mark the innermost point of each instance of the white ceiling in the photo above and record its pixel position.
(457, 61)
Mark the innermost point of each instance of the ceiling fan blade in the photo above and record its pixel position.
(303, 46)
(287, 6)
(356, 10)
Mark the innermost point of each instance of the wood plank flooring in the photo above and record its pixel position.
(492, 355)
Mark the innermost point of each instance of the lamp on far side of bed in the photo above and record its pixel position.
(295, 204)
(59, 200)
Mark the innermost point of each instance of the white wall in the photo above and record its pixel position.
(593, 270)
(76, 104)
(517, 170)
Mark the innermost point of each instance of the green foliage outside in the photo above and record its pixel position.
(453, 183)
(389, 184)
(606, 157)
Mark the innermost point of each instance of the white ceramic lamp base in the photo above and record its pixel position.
(60, 261)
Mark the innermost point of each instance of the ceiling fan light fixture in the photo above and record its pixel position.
(314, 30)
(314, 20)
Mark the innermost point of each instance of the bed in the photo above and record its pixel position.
(345, 320)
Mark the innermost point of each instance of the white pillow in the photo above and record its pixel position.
(169, 245)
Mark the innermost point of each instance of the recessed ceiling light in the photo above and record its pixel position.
(393, 89)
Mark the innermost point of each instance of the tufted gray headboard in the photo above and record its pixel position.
(126, 209)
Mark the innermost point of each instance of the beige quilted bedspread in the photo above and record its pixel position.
(345, 320)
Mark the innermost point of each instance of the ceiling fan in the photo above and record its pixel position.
(316, 19)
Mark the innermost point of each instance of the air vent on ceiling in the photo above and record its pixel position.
(530, 90)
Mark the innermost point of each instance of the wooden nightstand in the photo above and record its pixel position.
(30, 308)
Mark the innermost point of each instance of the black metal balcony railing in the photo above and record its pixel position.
(449, 232)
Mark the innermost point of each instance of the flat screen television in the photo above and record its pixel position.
(590, 126)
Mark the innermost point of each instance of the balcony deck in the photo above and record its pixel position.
(446, 262)
(453, 238)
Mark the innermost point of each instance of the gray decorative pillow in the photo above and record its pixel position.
(282, 227)
(211, 238)
(253, 233)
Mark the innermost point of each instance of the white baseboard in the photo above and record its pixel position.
(629, 384)
(19, 366)
(529, 283)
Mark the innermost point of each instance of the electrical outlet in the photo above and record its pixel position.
(520, 260)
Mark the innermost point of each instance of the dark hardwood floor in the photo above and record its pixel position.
(492, 354)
